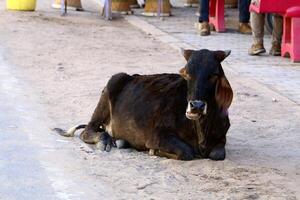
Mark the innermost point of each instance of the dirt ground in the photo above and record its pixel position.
(68, 60)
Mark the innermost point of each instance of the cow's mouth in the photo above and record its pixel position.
(192, 116)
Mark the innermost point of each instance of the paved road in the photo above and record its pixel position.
(21, 174)
(34, 163)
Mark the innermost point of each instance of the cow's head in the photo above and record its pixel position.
(207, 84)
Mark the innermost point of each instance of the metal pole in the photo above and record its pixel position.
(107, 8)
(63, 7)
(160, 8)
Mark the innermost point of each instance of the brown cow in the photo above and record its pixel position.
(178, 116)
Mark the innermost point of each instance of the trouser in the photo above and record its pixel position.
(257, 24)
(204, 11)
(244, 14)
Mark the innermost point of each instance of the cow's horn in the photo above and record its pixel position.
(227, 53)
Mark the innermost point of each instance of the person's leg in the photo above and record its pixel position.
(257, 23)
(204, 11)
(244, 16)
(203, 24)
(276, 36)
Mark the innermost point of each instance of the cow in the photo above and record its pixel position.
(181, 116)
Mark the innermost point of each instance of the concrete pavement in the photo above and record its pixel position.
(277, 73)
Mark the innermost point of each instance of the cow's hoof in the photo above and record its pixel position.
(122, 144)
(218, 153)
(151, 152)
(106, 142)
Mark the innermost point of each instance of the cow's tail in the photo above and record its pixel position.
(70, 132)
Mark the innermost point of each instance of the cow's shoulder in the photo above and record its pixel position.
(116, 83)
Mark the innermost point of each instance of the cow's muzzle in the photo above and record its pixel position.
(196, 109)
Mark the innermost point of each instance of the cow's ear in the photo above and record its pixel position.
(184, 74)
(221, 55)
(224, 93)
(186, 53)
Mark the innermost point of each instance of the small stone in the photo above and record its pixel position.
(61, 69)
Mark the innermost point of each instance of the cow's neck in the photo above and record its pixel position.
(204, 125)
(199, 132)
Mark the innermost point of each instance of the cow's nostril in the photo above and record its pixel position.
(191, 104)
(199, 105)
(196, 104)
(202, 105)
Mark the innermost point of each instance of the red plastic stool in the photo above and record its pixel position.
(291, 34)
(216, 14)
(271, 6)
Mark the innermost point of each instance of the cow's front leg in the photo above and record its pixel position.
(218, 152)
(92, 132)
(100, 137)
(90, 135)
(170, 147)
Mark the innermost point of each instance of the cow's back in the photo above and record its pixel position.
(142, 105)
